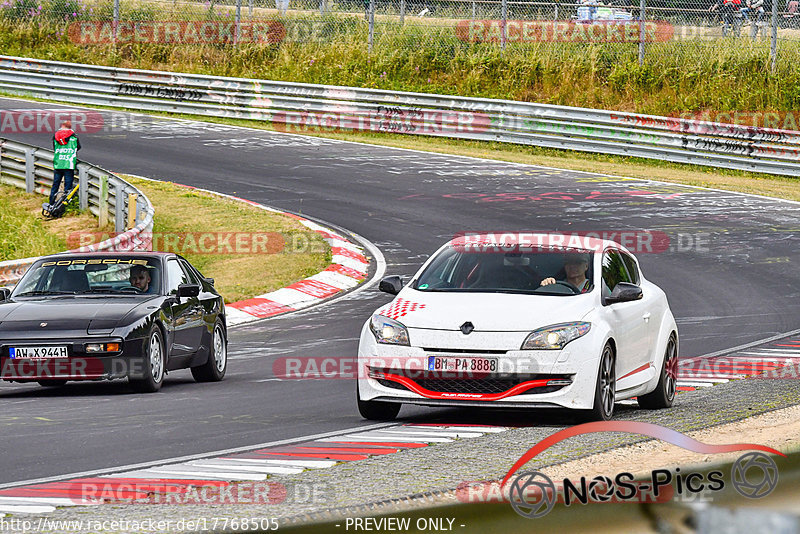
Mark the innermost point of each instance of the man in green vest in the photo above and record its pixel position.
(65, 158)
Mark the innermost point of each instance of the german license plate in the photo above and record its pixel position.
(458, 363)
(38, 353)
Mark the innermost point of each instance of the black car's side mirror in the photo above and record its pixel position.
(4, 294)
(624, 292)
(391, 285)
(188, 290)
(209, 280)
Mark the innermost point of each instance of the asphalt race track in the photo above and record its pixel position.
(729, 272)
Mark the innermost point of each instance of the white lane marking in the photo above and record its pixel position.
(223, 452)
(205, 473)
(268, 380)
(314, 226)
(334, 279)
(308, 464)
(775, 353)
(235, 316)
(52, 501)
(26, 509)
(433, 434)
(288, 297)
(366, 436)
(266, 469)
(341, 243)
(357, 438)
(161, 476)
(347, 261)
(488, 429)
(690, 383)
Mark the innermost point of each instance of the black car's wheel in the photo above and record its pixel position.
(605, 388)
(664, 394)
(216, 365)
(54, 383)
(154, 363)
(377, 410)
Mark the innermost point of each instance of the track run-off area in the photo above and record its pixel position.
(729, 268)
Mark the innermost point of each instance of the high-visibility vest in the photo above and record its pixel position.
(65, 156)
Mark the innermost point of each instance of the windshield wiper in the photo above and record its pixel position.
(41, 292)
(113, 290)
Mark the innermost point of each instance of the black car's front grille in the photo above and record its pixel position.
(488, 384)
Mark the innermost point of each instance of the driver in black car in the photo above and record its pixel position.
(575, 267)
(140, 278)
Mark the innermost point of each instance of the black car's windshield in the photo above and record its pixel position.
(84, 276)
(533, 270)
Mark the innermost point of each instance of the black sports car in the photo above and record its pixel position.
(112, 315)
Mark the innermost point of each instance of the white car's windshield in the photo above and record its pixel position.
(539, 271)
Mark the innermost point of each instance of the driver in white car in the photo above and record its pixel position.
(575, 267)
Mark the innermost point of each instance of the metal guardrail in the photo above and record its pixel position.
(104, 194)
(294, 107)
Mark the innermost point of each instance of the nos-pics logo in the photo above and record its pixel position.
(533, 494)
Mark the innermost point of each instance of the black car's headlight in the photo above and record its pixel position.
(555, 337)
(115, 346)
(388, 330)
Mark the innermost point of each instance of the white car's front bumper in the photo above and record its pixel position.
(525, 378)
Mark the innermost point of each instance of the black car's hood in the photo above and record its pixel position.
(87, 314)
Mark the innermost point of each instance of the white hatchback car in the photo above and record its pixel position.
(520, 321)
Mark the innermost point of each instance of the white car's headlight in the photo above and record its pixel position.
(555, 337)
(388, 330)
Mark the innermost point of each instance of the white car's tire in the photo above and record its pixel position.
(377, 410)
(664, 394)
(605, 387)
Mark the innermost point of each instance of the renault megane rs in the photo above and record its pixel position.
(520, 321)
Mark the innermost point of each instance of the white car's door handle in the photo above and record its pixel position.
(646, 317)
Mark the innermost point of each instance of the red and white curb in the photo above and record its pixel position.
(777, 359)
(348, 268)
(174, 482)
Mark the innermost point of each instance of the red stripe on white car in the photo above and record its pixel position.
(419, 390)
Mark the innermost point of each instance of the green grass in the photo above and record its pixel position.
(180, 211)
(23, 231)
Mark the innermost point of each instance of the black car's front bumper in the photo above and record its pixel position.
(79, 365)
